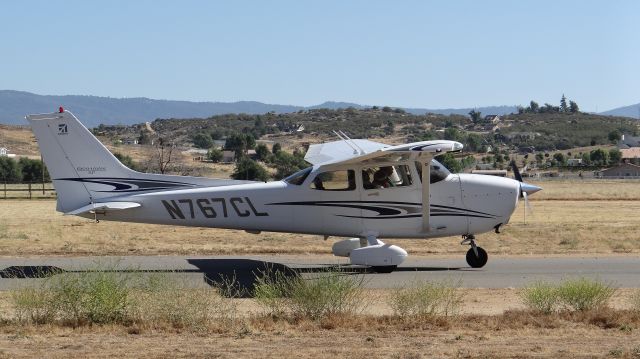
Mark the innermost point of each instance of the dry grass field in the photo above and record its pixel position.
(470, 337)
(570, 217)
(590, 217)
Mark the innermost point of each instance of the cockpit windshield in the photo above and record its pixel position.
(298, 177)
(438, 171)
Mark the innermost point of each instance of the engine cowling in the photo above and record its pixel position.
(378, 255)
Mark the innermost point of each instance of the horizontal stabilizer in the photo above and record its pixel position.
(106, 206)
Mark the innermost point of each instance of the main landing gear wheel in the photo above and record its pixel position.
(477, 261)
(384, 269)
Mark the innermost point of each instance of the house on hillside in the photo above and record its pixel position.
(4, 152)
(623, 170)
(572, 162)
(630, 154)
(494, 119)
(628, 141)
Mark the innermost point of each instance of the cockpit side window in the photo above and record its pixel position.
(344, 180)
(386, 177)
(438, 171)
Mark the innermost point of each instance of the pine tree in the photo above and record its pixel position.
(563, 104)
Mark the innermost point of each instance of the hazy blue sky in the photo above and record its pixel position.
(434, 54)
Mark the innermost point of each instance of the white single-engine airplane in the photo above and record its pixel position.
(355, 188)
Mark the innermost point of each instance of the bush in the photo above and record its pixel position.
(109, 297)
(585, 294)
(328, 294)
(427, 299)
(580, 294)
(540, 297)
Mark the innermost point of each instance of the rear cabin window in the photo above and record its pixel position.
(386, 177)
(335, 181)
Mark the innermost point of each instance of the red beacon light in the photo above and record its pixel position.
(61, 109)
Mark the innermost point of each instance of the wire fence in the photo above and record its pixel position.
(27, 190)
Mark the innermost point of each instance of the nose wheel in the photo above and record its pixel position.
(476, 256)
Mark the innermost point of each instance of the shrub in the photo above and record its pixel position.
(580, 294)
(316, 298)
(427, 299)
(585, 294)
(105, 297)
(540, 297)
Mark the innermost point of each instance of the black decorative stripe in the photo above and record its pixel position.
(125, 185)
(420, 215)
(391, 209)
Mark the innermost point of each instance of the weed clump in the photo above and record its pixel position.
(109, 297)
(427, 299)
(580, 294)
(325, 295)
(541, 297)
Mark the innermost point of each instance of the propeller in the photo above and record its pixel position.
(525, 189)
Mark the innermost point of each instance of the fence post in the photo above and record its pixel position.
(5, 189)
(29, 190)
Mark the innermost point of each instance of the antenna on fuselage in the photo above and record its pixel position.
(353, 143)
(346, 139)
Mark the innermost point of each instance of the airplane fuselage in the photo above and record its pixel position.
(460, 204)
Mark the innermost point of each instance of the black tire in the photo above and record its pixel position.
(384, 269)
(480, 260)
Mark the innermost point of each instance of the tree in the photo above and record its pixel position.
(127, 161)
(287, 164)
(599, 157)
(32, 170)
(9, 170)
(144, 138)
(451, 134)
(215, 155)
(248, 169)
(563, 104)
(614, 136)
(450, 162)
(276, 148)
(615, 156)
(262, 151)
(559, 157)
(164, 150)
(240, 143)
(473, 142)
(202, 140)
(476, 116)
(573, 107)
(534, 107)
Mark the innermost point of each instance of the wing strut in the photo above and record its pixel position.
(425, 162)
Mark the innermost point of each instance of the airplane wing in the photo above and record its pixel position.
(363, 151)
(348, 151)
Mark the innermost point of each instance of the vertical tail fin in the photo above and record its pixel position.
(73, 155)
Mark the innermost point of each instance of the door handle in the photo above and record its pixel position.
(373, 194)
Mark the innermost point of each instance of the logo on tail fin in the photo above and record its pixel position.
(62, 129)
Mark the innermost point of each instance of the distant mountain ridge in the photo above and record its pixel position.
(94, 110)
(626, 111)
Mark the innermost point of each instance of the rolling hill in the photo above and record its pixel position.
(94, 110)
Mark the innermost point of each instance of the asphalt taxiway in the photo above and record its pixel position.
(500, 272)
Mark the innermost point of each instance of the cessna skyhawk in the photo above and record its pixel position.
(355, 188)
